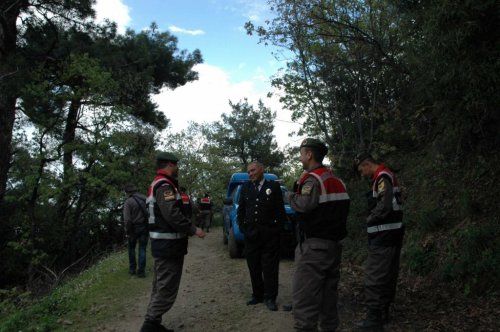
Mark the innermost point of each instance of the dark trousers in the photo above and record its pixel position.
(381, 276)
(263, 264)
(166, 281)
(315, 285)
(205, 217)
(133, 239)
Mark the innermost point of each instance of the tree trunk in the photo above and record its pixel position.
(68, 139)
(69, 135)
(7, 116)
(9, 11)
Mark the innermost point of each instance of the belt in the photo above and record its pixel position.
(384, 227)
(167, 236)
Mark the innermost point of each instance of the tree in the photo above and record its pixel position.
(452, 50)
(98, 68)
(15, 68)
(342, 82)
(88, 106)
(247, 134)
(413, 82)
(203, 165)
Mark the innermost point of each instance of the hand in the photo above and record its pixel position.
(200, 233)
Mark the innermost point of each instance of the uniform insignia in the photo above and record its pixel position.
(268, 191)
(168, 195)
(381, 186)
(306, 190)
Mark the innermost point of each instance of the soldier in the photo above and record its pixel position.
(261, 214)
(385, 236)
(136, 227)
(187, 204)
(322, 206)
(169, 229)
(205, 212)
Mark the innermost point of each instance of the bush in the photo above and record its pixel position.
(473, 258)
(420, 259)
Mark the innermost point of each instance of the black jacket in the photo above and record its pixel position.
(261, 214)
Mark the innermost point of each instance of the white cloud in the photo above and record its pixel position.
(206, 99)
(255, 10)
(197, 32)
(115, 11)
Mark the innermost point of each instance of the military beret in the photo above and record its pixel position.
(314, 144)
(166, 156)
(362, 157)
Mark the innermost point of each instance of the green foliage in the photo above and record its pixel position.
(429, 219)
(414, 83)
(341, 83)
(473, 257)
(419, 259)
(356, 242)
(92, 129)
(101, 286)
(453, 58)
(203, 168)
(247, 135)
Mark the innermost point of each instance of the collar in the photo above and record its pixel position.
(379, 169)
(162, 173)
(260, 183)
(319, 166)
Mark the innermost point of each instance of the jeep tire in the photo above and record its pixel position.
(224, 236)
(234, 248)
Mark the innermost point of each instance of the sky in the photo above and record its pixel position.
(235, 65)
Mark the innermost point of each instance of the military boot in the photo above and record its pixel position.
(150, 326)
(373, 321)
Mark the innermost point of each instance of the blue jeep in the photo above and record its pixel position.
(231, 234)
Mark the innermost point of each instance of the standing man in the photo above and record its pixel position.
(385, 236)
(136, 229)
(322, 206)
(205, 212)
(187, 205)
(169, 229)
(261, 214)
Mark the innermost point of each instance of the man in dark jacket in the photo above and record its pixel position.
(205, 208)
(385, 236)
(261, 214)
(322, 205)
(136, 228)
(169, 228)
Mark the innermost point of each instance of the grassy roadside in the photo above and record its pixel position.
(84, 302)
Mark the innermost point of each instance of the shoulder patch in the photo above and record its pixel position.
(306, 189)
(381, 186)
(168, 195)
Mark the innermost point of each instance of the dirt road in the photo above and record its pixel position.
(213, 294)
(214, 289)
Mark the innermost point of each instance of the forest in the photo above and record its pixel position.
(415, 83)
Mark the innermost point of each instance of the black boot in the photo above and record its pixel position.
(372, 322)
(150, 326)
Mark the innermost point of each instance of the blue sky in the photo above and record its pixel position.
(213, 26)
(235, 65)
